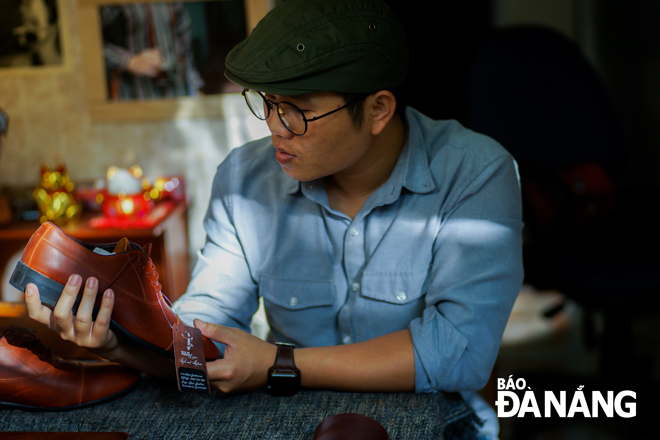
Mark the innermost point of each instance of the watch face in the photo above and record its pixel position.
(283, 383)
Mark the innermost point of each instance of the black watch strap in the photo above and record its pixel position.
(284, 376)
(284, 359)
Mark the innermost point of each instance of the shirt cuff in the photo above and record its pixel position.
(438, 348)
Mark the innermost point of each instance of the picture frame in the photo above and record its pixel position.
(104, 109)
(34, 37)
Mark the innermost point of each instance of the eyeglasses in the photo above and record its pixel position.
(291, 116)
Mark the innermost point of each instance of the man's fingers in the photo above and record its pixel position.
(83, 320)
(215, 332)
(221, 371)
(64, 308)
(36, 310)
(101, 332)
(102, 323)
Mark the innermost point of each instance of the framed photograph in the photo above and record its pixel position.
(31, 36)
(155, 59)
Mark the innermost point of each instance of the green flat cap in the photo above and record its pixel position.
(305, 46)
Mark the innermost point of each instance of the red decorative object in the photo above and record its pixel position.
(169, 188)
(124, 206)
(161, 210)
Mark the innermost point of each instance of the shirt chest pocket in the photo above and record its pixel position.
(391, 299)
(295, 306)
(399, 288)
(294, 294)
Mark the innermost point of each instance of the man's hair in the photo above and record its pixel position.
(355, 105)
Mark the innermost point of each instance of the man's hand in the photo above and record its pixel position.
(148, 63)
(246, 362)
(81, 328)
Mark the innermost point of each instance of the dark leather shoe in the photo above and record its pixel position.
(32, 378)
(141, 312)
(350, 426)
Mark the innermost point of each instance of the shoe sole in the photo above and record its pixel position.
(9, 405)
(50, 291)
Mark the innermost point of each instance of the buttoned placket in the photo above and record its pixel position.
(353, 257)
(354, 260)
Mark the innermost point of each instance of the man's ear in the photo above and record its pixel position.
(382, 106)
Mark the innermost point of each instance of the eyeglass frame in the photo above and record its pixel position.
(270, 105)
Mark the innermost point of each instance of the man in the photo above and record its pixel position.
(386, 246)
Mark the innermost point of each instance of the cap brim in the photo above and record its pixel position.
(275, 89)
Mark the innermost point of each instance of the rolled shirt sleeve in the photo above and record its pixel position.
(222, 290)
(476, 275)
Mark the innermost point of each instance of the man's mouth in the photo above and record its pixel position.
(283, 157)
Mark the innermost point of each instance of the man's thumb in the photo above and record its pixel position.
(210, 330)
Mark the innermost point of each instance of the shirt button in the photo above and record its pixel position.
(401, 296)
(293, 301)
(355, 287)
(347, 339)
(354, 232)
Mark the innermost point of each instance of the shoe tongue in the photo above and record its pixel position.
(122, 246)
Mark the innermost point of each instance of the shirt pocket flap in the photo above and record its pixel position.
(296, 294)
(394, 287)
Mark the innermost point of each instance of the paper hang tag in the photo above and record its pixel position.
(189, 359)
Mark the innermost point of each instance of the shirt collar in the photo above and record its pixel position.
(412, 168)
(416, 174)
(293, 187)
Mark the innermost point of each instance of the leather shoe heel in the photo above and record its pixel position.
(49, 290)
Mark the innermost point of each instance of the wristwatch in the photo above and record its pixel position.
(283, 376)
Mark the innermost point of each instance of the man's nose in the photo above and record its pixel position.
(276, 126)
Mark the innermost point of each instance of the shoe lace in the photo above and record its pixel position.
(150, 269)
(24, 338)
(155, 282)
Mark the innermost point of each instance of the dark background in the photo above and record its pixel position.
(445, 35)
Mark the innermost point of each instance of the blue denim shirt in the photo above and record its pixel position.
(436, 249)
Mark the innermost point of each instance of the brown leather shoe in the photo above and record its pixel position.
(350, 426)
(141, 312)
(32, 378)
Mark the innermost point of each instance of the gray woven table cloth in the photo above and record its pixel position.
(157, 410)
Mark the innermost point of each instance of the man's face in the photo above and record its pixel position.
(331, 145)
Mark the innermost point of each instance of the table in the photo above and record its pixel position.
(157, 410)
(169, 238)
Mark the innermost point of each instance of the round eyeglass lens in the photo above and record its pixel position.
(256, 103)
(291, 117)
